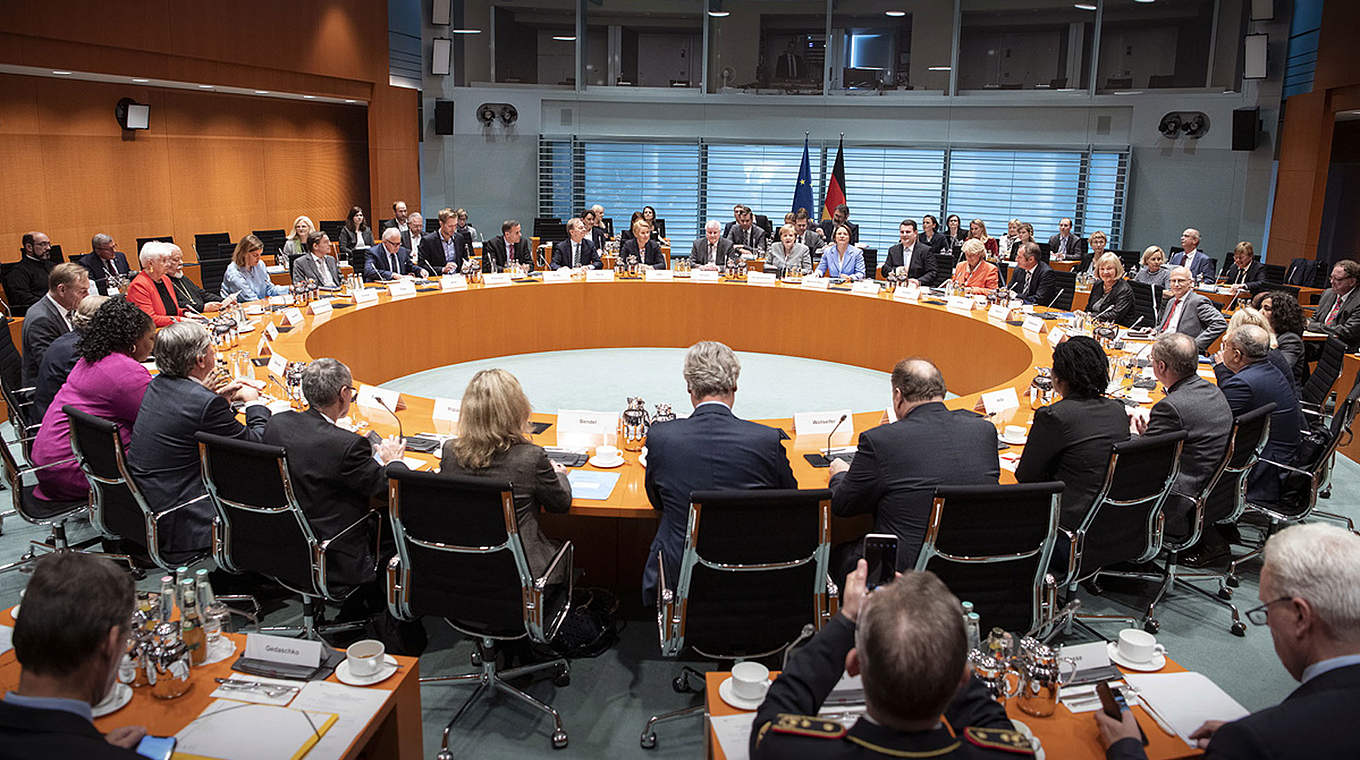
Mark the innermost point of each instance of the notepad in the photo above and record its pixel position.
(1185, 700)
(592, 484)
(231, 730)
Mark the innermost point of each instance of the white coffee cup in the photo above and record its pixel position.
(1014, 432)
(607, 453)
(1138, 646)
(750, 680)
(365, 657)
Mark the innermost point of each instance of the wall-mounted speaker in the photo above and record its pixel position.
(439, 59)
(443, 117)
(1246, 128)
(1254, 56)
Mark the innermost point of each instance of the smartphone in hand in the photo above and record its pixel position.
(880, 551)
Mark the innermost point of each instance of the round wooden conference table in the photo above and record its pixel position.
(390, 338)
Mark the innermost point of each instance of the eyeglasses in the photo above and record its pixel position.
(1257, 615)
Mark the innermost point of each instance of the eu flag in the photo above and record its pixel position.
(802, 194)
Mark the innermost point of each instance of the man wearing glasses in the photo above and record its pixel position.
(1189, 312)
(1338, 311)
(1310, 594)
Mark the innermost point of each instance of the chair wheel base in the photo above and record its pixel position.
(476, 659)
(648, 741)
(1151, 625)
(1239, 628)
(1225, 594)
(681, 684)
(1234, 581)
(562, 679)
(559, 740)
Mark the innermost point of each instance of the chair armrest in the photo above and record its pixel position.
(562, 569)
(177, 508)
(394, 587)
(833, 599)
(324, 545)
(568, 551)
(246, 600)
(1074, 541)
(1283, 466)
(35, 468)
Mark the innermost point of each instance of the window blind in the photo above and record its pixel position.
(886, 185)
(760, 176)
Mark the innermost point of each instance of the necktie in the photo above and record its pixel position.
(575, 254)
(113, 270)
(396, 266)
(1333, 312)
(1166, 323)
(711, 255)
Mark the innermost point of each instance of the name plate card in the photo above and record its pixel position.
(822, 423)
(585, 421)
(496, 280)
(959, 304)
(292, 316)
(658, 275)
(401, 289)
(270, 331)
(761, 279)
(371, 395)
(815, 283)
(557, 275)
(704, 275)
(365, 297)
(288, 651)
(599, 275)
(446, 409)
(999, 402)
(321, 308)
(452, 282)
(262, 348)
(1035, 325)
(1056, 335)
(999, 313)
(277, 364)
(906, 294)
(865, 288)
(278, 300)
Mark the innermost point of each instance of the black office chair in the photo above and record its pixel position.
(117, 507)
(141, 241)
(332, 228)
(1131, 260)
(870, 260)
(472, 572)
(207, 244)
(1067, 289)
(944, 268)
(432, 224)
(1315, 394)
(991, 545)
(22, 413)
(752, 578)
(1301, 272)
(1147, 304)
(260, 527)
(273, 240)
(1273, 274)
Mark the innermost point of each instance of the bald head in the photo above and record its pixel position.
(1174, 358)
(916, 381)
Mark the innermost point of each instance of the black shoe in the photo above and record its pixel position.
(1204, 558)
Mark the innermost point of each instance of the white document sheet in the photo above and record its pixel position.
(1185, 700)
(734, 734)
(355, 706)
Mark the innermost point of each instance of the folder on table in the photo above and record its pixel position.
(231, 730)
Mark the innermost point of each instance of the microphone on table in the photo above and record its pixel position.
(1056, 297)
(391, 411)
(1137, 322)
(832, 434)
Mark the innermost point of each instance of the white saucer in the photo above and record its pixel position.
(1029, 734)
(117, 699)
(606, 464)
(245, 328)
(14, 612)
(389, 667)
(642, 457)
(725, 691)
(1013, 441)
(1157, 662)
(220, 650)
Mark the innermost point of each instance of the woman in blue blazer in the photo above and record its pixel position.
(840, 259)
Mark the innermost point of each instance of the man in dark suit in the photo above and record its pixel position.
(839, 217)
(576, 250)
(1338, 310)
(1066, 246)
(1196, 406)
(1309, 587)
(912, 254)
(443, 249)
(69, 647)
(318, 265)
(711, 449)
(388, 259)
(26, 279)
(50, 317)
(1245, 273)
(163, 455)
(335, 476)
(746, 234)
(1249, 381)
(1200, 264)
(1033, 281)
(712, 249)
(809, 235)
(104, 261)
(401, 222)
(897, 466)
(1189, 312)
(509, 245)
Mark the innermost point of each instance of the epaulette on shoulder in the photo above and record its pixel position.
(1005, 739)
(807, 725)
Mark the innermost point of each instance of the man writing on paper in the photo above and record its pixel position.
(70, 639)
(1310, 599)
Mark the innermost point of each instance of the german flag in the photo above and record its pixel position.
(835, 187)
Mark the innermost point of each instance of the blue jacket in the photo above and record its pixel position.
(250, 285)
(1256, 385)
(378, 264)
(1203, 267)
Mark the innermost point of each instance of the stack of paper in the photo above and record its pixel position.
(1185, 700)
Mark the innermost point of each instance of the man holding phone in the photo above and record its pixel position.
(69, 640)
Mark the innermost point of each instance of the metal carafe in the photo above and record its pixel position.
(167, 663)
(1042, 673)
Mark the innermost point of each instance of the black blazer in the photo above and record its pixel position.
(430, 252)
(42, 325)
(494, 250)
(337, 481)
(405, 234)
(922, 266)
(1290, 347)
(11, 364)
(1308, 724)
(1070, 441)
(1253, 277)
(26, 733)
(99, 273)
(189, 295)
(561, 255)
(378, 265)
(711, 448)
(698, 253)
(57, 364)
(1037, 287)
(897, 466)
(755, 239)
(936, 244)
(163, 455)
(536, 486)
(1117, 307)
(1076, 248)
(351, 251)
(829, 226)
(1256, 385)
(26, 283)
(652, 256)
(598, 236)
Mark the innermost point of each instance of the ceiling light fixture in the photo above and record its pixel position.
(61, 73)
(1084, 7)
(309, 97)
(139, 80)
(262, 92)
(351, 100)
(565, 37)
(720, 14)
(938, 68)
(895, 14)
(205, 87)
(465, 31)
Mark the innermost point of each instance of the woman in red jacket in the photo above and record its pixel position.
(151, 289)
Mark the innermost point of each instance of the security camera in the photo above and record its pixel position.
(486, 113)
(1170, 126)
(508, 114)
(1196, 126)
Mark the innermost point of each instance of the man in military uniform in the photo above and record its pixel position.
(906, 642)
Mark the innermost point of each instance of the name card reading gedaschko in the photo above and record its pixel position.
(763, 279)
(586, 421)
(402, 289)
(822, 423)
(262, 646)
(371, 395)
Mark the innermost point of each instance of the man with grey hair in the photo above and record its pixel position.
(577, 250)
(388, 259)
(897, 466)
(61, 356)
(105, 263)
(1190, 312)
(187, 397)
(1033, 281)
(710, 449)
(711, 250)
(1200, 264)
(337, 475)
(906, 642)
(50, 317)
(1310, 599)
(1248, 380)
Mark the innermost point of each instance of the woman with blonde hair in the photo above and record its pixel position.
(246, 277)
(1111, 298)
(1095, 248)
(296, 244)
(977, 230)
(1154, 271)
(493, 442)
